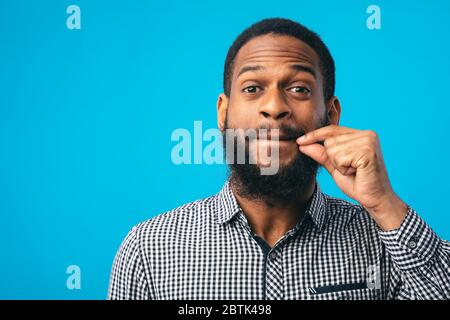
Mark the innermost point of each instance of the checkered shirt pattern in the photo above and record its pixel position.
(207, 249)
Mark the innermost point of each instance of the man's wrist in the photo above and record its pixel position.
(390, 213)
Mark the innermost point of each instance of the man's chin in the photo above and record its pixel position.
(291, 181)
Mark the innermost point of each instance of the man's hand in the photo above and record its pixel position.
(354, 160)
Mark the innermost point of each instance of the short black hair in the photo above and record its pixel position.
(280, 26)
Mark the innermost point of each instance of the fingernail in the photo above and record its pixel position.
(300, 139)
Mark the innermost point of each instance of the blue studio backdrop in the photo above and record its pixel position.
(87, 113)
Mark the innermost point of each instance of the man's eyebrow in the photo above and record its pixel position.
(250, 68)
(303, 68)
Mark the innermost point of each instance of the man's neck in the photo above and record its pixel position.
(271, 221)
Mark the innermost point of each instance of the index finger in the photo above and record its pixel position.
(323, 133)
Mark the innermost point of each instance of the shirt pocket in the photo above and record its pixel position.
(355, 294)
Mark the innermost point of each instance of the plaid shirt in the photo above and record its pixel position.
(206, 249)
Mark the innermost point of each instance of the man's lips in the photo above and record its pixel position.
(277, 138)
(279, 142)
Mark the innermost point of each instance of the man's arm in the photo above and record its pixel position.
(128, 280)
(420, 261)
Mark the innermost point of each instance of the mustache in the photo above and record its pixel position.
(264, 132)
(286, 131)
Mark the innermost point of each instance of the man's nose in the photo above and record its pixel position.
(275, 107)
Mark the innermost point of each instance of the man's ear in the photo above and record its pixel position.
(222, 106)
(334, 110)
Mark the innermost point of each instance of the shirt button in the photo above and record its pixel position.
(412, 244)
(273, 255)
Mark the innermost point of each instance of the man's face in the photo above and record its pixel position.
(276, 82)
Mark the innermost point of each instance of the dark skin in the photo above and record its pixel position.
(276, 79)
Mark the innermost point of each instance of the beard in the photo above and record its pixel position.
(291, 181)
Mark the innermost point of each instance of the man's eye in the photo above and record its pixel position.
(300, 89)
(251, 89)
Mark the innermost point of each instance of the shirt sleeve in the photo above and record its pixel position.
(420, 260)
(128, 280)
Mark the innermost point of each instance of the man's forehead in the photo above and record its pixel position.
(273, 47)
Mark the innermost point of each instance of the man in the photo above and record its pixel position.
(278, 236)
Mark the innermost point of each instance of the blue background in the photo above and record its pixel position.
(86, 117)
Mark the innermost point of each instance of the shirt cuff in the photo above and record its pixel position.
(413, 244)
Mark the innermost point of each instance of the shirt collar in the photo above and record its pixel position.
(228, 206)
